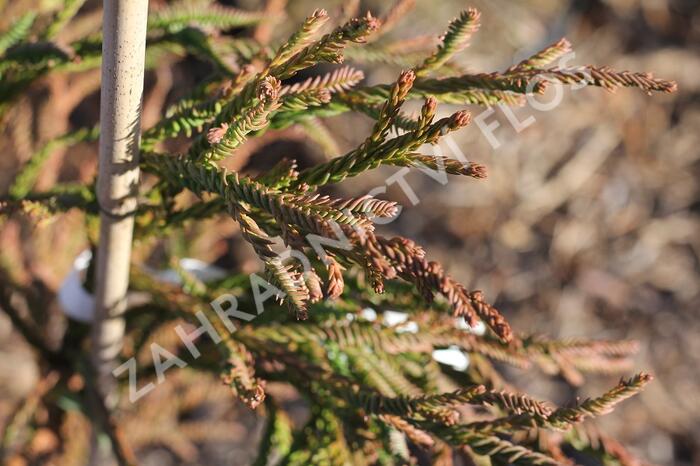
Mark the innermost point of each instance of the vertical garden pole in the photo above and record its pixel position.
(123, 56)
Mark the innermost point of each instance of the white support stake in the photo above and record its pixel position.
(123, 57)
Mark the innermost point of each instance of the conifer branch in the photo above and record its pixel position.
(370, 384)
(406, 406)
(342, 79)
(416, 435)
(292, 283)
(62, 17)
(369, 157)
(490, 445)
(302, 38)
(544, 57)
(308, 212)
(282, 174)
(221, 141)
(277, 438)
(25, 179)
(608, 78)
(201, 13)
(192, 113)
(389, 111)
(441, 164)
(298, 102)
(327, 49)
(429, 277)
(18, 32)
(603, 404)
(454, 40)
(239, 375)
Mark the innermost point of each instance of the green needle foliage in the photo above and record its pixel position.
(18, 32)
(454, 40)
(376, 394)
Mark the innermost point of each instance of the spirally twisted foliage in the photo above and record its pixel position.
(376, 394)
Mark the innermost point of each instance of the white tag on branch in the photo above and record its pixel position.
(78, 304)
(478, 329)
(200, 269)
(74, 299)
(452, 356)
(392, 318)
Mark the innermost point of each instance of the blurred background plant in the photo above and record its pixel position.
(586, 227)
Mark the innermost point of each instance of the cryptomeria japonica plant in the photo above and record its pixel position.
(376, 395)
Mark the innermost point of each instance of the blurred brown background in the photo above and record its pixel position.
(587, 226)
